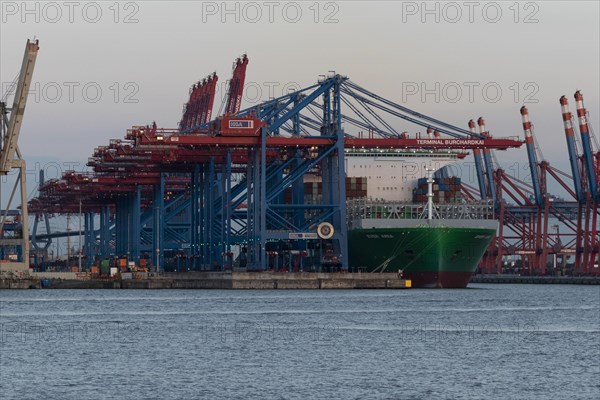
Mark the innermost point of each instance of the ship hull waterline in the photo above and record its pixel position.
(431, 256)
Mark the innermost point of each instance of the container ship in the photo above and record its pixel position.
(421, 228)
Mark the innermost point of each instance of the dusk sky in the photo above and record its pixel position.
(143, 57)
(241, 267)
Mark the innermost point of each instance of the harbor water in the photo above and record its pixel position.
(487, 341)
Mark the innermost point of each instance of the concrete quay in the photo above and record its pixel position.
(544, 280)
(230, 280)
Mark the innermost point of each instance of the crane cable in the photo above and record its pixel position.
(593, 135)
(538, 149)
(10, 88)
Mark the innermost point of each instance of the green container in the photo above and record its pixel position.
(104, 267)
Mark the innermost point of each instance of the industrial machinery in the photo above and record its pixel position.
(216, 194)
(14, 228)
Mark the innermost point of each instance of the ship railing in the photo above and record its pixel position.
(376, 209)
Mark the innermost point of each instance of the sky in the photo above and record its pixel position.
(106, 66)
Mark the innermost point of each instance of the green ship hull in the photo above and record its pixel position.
(442, 254)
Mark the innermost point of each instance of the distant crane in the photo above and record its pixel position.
(236, 86)
(197, 112)
(11, 234)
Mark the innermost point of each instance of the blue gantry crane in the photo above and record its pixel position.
(236, 184)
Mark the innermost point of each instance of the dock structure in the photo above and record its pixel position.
(225, 192)
(539, 280)
(214, 280)
(230, 192)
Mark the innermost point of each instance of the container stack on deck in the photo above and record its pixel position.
(445, 190)
(356, 188)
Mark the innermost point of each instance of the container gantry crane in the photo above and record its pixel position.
(198, 110)
(526, 209)
(17, 239)
(172, 191)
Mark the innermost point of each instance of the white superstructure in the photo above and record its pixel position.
(392, 174)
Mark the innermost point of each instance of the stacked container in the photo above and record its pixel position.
(445, 190)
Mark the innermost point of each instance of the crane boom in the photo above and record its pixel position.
(10, 158)
(572, 149)
(11, 138)
(236, 86)
(532, 156)
(198, 110)
(586, 144)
